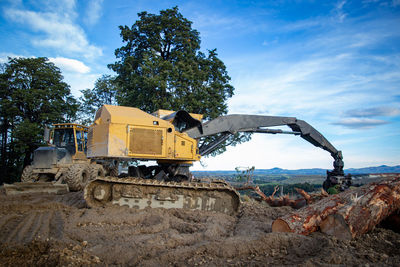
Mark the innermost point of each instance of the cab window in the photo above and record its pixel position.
(79, 140)
(65, 138)
(85, 140)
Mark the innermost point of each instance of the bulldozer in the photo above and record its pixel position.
(171, 139)
(61, 166)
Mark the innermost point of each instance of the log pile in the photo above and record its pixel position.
(348, 214)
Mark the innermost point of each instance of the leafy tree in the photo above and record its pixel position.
(104, 92)
(32, 96)
(161, 66)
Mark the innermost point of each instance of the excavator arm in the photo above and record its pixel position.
(231, 124)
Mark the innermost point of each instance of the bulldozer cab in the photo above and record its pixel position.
(72, 137)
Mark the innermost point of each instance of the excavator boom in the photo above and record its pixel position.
(231, 124)
(255, 123)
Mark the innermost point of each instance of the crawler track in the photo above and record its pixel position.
(147, 193)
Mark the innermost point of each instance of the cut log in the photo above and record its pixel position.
(365, 210)
(348, 214)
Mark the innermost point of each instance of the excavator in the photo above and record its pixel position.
(87, 158)
(171, 140)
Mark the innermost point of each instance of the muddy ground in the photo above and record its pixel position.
(59, 230)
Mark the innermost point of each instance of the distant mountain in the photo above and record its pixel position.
(316, 171)
(379, 169)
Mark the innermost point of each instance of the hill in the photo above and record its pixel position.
(315, 171)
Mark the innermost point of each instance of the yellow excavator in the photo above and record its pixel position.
(168, 138)
(171, 139)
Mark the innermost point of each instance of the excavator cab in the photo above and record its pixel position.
(72, 137)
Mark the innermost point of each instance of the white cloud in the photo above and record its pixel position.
(373, 112)
(291, 88)
(215, 24)
(341, 15)
(360, 123)
(93, 11)
(70, 65)
(305, 24)
(215, 20)
(59, 31)
(80, 81)
(323, 75)
(76, 73)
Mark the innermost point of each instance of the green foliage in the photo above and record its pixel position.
(244, 174)
(32, 95)
(333, 190)
(103, 93)
(160, 66)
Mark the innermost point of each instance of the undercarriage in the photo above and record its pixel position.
(142, 193)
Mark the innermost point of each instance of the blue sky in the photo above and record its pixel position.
(334, 64)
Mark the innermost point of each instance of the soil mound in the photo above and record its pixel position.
(41, 229)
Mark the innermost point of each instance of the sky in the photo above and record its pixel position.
(334, 64)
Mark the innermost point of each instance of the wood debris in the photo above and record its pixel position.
(348, 214)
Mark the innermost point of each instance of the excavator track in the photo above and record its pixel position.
(149, 193)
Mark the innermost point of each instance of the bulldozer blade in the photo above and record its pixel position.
(35, 187)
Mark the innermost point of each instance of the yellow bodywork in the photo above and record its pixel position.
(130, 133)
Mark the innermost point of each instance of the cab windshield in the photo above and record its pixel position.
(65, 138)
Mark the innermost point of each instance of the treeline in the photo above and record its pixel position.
(32, 95)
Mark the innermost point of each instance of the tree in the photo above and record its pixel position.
(161, 67)
(32, 96)
(103, 93)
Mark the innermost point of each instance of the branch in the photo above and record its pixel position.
(275, 189)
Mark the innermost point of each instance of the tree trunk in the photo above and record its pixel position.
(3, 149)
(348, 214)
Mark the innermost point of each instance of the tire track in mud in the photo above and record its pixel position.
(20, 228)
(28, 227)
(57, 226)
(35, 227)
(74, 199)
(4, 219)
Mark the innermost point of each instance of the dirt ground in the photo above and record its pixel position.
(59, 230)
